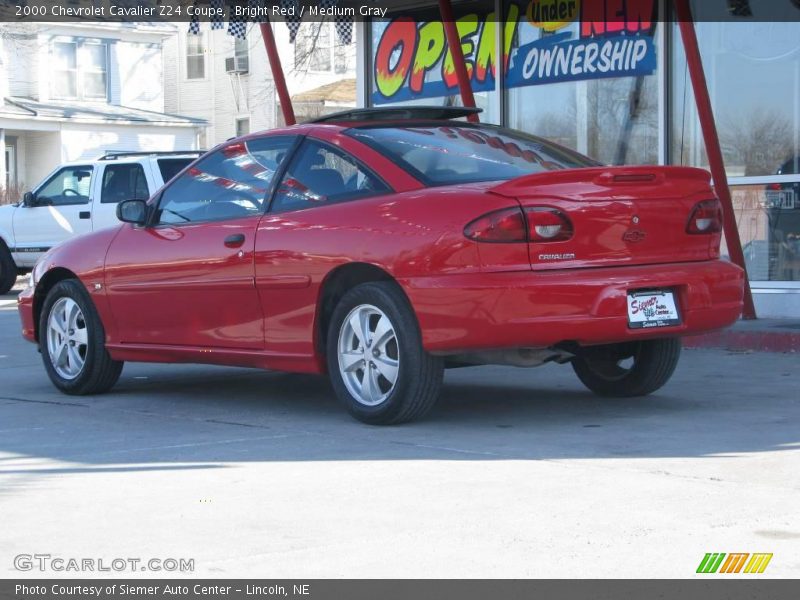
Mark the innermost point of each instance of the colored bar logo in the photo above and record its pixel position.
(736, 562)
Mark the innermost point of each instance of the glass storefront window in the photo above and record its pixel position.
(769, 230)
(753, 72)
(613, 119)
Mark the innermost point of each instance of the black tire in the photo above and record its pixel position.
(654, 362)
(99, 372)
(8, 270)
(419, 374)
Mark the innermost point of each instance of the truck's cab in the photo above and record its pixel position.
(77, 198)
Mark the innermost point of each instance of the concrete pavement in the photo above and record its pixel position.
(517, 473)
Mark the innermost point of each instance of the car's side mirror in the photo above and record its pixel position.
(28, 199)
(132, 211)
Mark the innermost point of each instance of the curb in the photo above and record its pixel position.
(747, 341)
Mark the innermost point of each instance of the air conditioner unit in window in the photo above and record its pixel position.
(237, 64)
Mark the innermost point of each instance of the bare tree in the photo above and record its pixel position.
(761, 141)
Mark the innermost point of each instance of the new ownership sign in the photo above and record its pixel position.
(559, 58)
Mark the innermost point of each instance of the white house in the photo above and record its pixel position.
(227, 81)
(73, 90)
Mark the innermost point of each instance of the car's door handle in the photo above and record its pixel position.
(84, 214)
(235, 240)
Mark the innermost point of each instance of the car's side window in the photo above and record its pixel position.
(320, 174)
(230, 183)
(70, 185)
(123, 182)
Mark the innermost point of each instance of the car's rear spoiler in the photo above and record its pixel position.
(603, 177)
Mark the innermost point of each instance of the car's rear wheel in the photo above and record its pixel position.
(376, 361)
(629, 369)
(8, 270)
(72, 342)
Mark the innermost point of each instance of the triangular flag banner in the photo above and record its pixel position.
(218, 6)
(292, 22)
(262, 18)
(194, 25)
(344, 30)
(237, 26)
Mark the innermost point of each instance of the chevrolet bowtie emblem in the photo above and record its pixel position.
(633, 236)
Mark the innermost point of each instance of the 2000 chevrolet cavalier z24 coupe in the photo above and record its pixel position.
(383, 246)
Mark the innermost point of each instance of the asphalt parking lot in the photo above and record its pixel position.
(517, 473)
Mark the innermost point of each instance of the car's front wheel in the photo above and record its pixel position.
(376, 361)
(629, 369)
(72, 342)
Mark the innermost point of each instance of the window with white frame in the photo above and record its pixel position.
(195, 56)
(242, 126)
(313, 50)
(241, 55)
(79, 70)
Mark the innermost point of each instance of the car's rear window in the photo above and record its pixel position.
(462, 153)
(170, 167)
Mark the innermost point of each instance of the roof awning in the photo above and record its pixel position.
(26, 108)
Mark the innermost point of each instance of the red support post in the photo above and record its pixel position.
(713, 148)
(277, 72)
(454, 44)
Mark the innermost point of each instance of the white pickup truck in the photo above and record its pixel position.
(77, 198)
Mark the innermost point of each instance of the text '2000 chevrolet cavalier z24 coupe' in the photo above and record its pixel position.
(383, 246)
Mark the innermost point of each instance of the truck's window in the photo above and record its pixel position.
(124, 182)
(170, 167)
(70, 185)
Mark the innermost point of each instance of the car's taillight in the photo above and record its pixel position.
(706, 217)
(546, 224)
(537, 224)
(506, 225)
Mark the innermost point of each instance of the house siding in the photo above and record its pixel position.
(135, 79)
(42, 153)
(214, 98)
(140, 66)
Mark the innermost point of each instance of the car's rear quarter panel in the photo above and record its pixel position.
(408, 235)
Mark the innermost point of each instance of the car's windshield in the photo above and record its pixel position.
(463, 153)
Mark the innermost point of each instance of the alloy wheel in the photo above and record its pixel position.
(67, 338)
(369, 354)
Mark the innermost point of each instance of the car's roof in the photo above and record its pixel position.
(305, 128)
(394, 113)
(393, 116)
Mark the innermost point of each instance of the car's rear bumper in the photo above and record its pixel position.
(587, 306)
(25, 306)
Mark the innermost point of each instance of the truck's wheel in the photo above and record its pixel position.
(8, 270)
(376, 361)
(630, 369)
(72, 342)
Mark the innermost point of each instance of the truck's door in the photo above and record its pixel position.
(118, 181)
(61, 210)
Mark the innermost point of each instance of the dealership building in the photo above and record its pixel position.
(610, 79)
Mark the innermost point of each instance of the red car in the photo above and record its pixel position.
(382, 246)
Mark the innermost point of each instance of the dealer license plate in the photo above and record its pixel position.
(654, 308)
